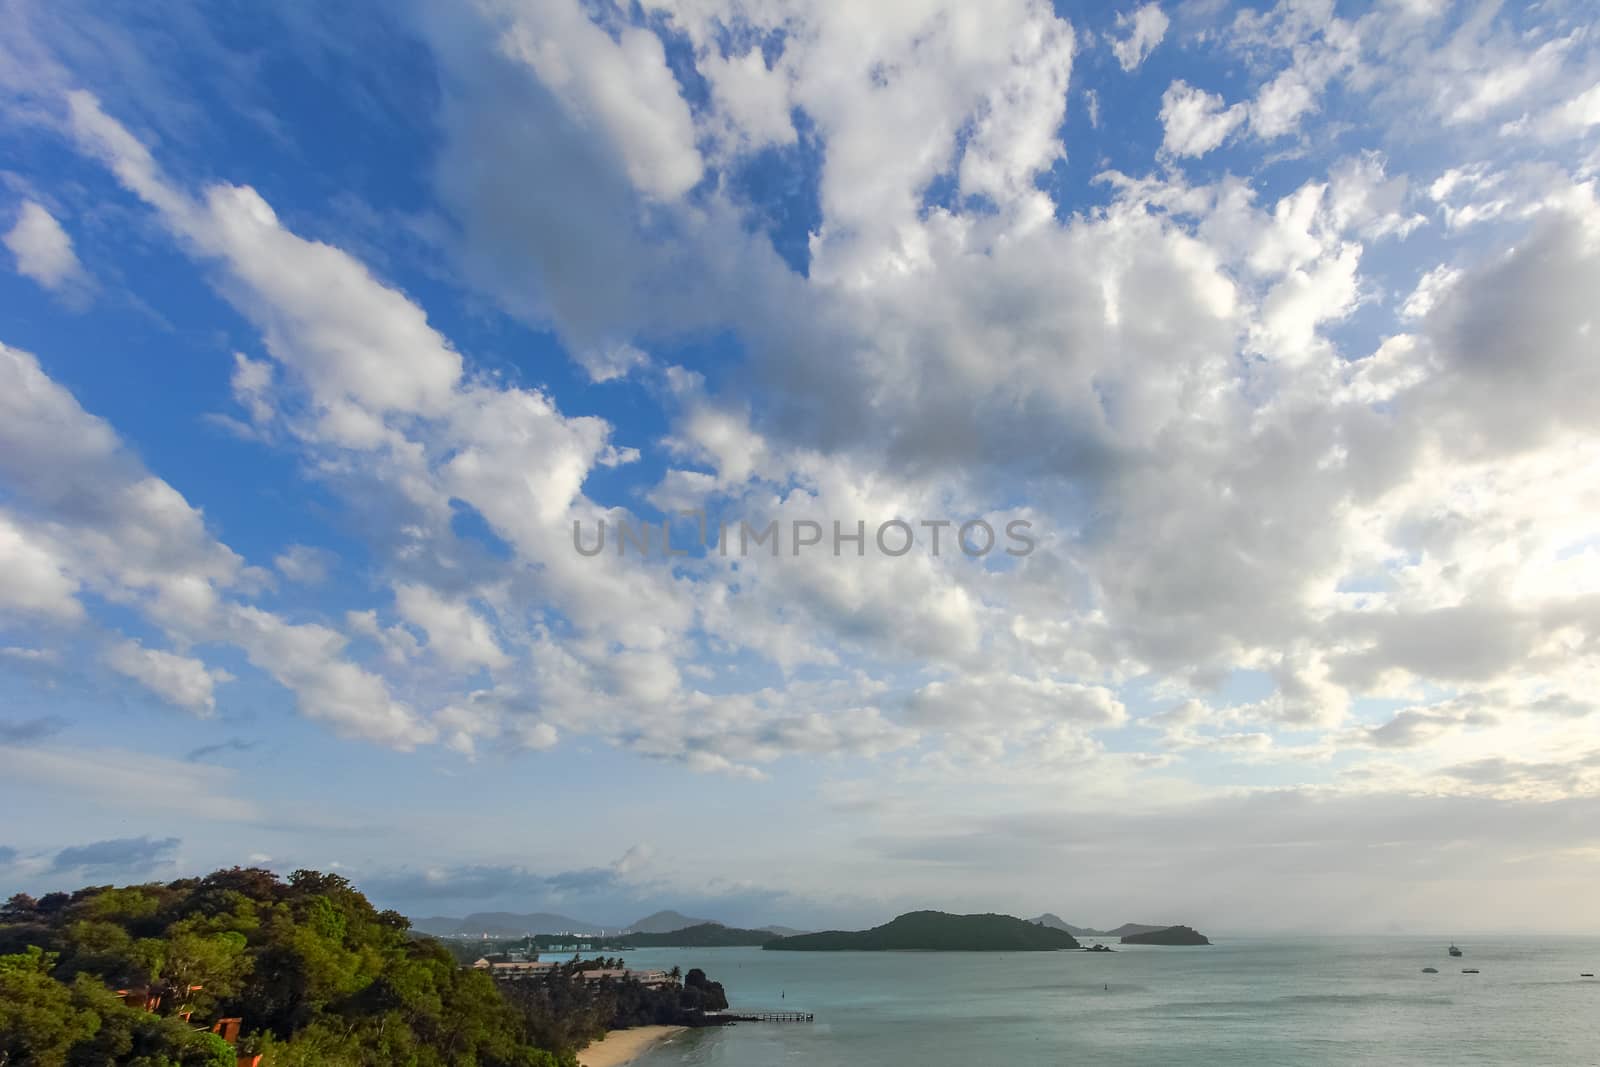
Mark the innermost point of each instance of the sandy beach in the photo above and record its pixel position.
(623, 1046)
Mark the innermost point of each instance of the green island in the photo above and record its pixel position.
(243, 969)
(935, 931)
(1171, 935)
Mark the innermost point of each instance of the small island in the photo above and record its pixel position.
(1172, 935)
(935, 931)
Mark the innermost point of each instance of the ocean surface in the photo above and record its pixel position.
(1240, 1001)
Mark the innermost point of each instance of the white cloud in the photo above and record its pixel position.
(43, 250)
(751, 98)
(1195, 121)
(456, 633)
(321, 311)
(128, 536)
(1279, 107)
(1236, 471)
(252, 384)
(1016, 135)
(985, 703)
(180, 680)
(1146, 28)
(1277, 434)
(306, 659)
(32, 578)
(305, 564)
(133, 539)
(609, 362)
(621, 83)
(1482, 93)
(1571, 118)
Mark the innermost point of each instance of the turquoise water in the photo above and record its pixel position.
(1240, 1001)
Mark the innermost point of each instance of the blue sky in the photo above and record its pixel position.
(323, 330)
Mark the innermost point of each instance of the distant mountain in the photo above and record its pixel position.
(1172, 935)
(505, 924)
(1055, 922)
(782, 931)
(935, 930)
(664, 922)
(703, 935)
(502, 924)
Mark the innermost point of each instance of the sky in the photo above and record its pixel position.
(1261, 340)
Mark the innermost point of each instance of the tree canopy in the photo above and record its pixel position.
(136, 975)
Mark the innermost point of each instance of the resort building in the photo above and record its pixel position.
(515, 968)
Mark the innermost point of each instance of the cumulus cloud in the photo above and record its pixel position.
(321, 311)
(984, 703)
(1293, 446)
(306, 659)
(456, 633)
(1146, 27)
(1268, 280)
(1207, 452)
(138, 541)
(752, 98)
(1515, 336)
(1570, 118)
(43, 250)
(32, 579)
(620, 81)
(181, 680)
(1195, 121)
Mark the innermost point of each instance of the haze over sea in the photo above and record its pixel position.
(1241, 1001)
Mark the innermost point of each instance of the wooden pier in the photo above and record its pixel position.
(763, 1016)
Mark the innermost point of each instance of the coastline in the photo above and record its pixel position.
(623, 1046)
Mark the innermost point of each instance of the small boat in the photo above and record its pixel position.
(1469, 970)
(1586, 974)
(1430, 970)
(1454, 951)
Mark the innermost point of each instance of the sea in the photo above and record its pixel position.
(1240, 1001)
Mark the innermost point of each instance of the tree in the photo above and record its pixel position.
(701, 994)
(20, 908)
(47, 1023)
(319, 976)
(39, 1023)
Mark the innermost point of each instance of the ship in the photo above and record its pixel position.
(1454, 951)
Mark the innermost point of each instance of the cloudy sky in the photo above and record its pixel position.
(1276, 325)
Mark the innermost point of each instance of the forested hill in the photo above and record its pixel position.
(316, 974)
(935, 930)
(313, 974)
(703, 935)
